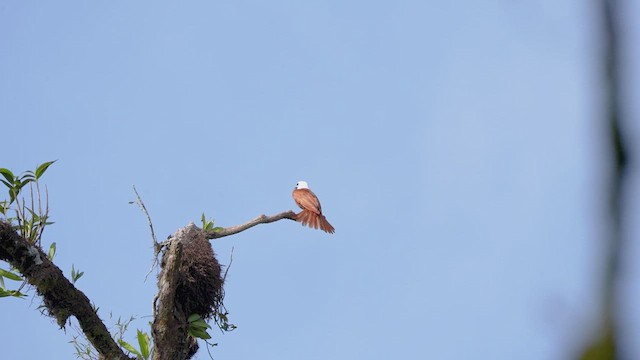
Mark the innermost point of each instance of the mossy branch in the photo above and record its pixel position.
(61, 298)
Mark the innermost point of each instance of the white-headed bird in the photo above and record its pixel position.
(311, 214)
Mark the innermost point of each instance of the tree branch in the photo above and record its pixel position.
(157, 247)
(61, 298)
(262, 219)
(606, 344)
(169, 324)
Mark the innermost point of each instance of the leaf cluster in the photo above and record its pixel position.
(207, 225)
(144, 343)
(198, 327)
(75, 274)
(16, 183)
(4, 292)
(31, 217)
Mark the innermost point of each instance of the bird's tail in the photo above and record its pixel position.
(313, 220)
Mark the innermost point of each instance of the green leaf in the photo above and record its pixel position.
(18, 294)
(198, 327)
(10, 275)
(218, 229)
(223, 318)
(28, 176)
(200, 324)
(33, 214)
(207, 225)
(13, 194)
(129, 348)
(42, 168)
(199, 333)
(143, 341)
(75, 275)
(52, 249)
(22, 183)
(14, 293)
(7, 175)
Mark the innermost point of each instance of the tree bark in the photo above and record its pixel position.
(170, 322)
(61, 298)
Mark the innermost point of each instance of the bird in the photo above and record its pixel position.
(311, 214)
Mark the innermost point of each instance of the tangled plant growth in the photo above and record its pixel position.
(190, 279)
(30, 216)
(197, 296)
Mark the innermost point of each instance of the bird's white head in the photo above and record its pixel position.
(302, 185)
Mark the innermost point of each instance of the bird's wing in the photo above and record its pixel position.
(306, 199)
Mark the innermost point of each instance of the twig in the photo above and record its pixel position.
(144, 209)
(262, 219)
(46, 208)
(606, 344)
(33, 210)
(224, 277)
(156, 246)
(615, 240)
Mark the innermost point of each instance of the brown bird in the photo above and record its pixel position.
(311, 214)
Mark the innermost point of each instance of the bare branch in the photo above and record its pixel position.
(226, 271)
(144, 209)
(606, 344)
(156, 246)
(262, 219)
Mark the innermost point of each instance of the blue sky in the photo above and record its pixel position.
(456, 147)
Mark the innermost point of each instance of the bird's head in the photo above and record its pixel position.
(302, 185)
